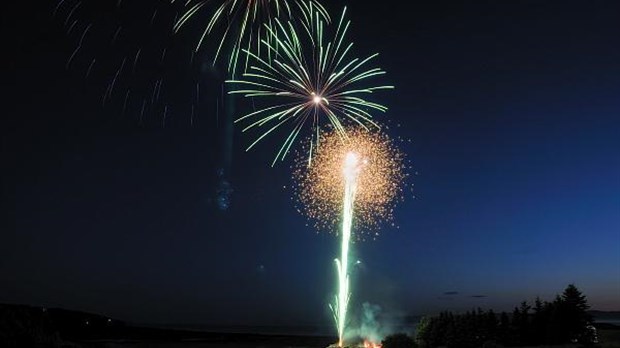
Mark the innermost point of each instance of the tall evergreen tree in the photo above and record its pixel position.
(556, 329)
(504, 336)
(575, 308)
(539, 322)
(523, 326)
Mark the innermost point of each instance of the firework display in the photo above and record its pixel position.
(353, 180)
(304, 81)
(309, 79)
(320, 186)
(240, 23)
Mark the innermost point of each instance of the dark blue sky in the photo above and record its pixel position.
(513, 112)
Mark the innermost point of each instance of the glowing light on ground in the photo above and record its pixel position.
(369, 344)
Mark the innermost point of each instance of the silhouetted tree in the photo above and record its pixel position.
(576, 318)
(503, 332)
(490, 328)
(422, 332)
(539, 322)
(439, 333)
(523, 326)
(562, 321)
(399, 340)
(556, 332)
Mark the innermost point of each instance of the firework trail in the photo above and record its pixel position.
(309, 78)
(131, 50)
(239, 24)
(355, 181)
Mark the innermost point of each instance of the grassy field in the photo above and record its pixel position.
(609, 338)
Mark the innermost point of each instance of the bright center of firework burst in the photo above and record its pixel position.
(351, 165)
(316, 99)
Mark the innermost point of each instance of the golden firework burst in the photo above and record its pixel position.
(320, 184)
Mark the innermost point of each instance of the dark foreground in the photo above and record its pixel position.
(26, 326)
(239, 342)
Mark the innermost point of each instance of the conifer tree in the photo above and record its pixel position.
(575, 309)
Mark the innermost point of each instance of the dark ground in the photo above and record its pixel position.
(27, 326)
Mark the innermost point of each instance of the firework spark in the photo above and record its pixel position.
(320, 186)
(309, 78)
(242, 21)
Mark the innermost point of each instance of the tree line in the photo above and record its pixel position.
(563, 320)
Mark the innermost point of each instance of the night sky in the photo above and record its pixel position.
(512, 109)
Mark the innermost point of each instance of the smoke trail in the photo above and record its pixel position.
(224, 186)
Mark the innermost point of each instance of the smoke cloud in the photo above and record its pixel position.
(374, 324)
